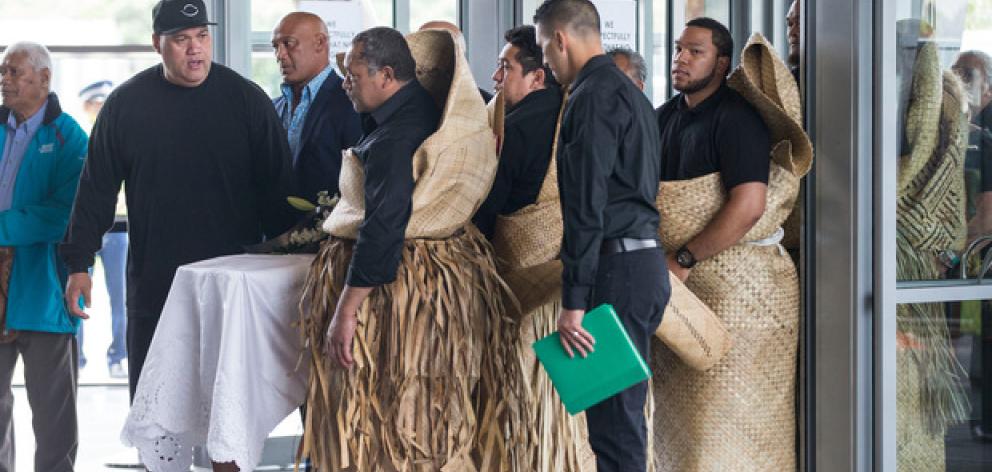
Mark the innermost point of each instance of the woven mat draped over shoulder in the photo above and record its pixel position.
(527, 241)
(454, 167)
(765, 82)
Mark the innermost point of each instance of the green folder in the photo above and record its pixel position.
(613, 366)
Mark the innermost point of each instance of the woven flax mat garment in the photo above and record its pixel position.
(543, 437)
(408, 403)
(739, 415)
(930, 218)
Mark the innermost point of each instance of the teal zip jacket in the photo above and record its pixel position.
(36, 222)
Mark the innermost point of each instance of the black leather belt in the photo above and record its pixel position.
(618, 245)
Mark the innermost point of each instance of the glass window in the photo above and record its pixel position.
(266, 13)
(943, 400)
(422, 11)
(74, 71)
(943, 215)
(717, 9)
(265, 72)
(944, 182)
(77, 22)
(659, 51)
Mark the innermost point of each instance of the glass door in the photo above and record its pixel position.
(935, 369)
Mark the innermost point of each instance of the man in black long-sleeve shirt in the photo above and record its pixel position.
(397, 115)
(206, 168)
(533, 99)
(608, 175)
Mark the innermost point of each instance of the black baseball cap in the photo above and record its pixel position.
(170, 16)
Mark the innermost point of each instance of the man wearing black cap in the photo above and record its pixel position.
(205, 164)
(608, 173)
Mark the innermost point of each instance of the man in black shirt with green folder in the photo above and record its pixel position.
(608, 174)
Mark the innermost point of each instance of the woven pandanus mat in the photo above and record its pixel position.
(740, 414)
(682, 221)
(453, 168)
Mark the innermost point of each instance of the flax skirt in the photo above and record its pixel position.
(407, 404)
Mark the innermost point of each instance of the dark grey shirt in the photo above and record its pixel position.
(392, 133)
(608, 172)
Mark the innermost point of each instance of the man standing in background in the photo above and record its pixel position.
(113, 252)
(42, 149)
(631, 63)
(314, 109)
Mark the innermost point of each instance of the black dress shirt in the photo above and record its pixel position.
(392, 133)
(608, 172)
(523, 162)
(722, 134)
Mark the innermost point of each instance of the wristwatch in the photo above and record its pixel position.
(685, 258)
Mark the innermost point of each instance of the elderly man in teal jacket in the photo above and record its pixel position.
(41, 156)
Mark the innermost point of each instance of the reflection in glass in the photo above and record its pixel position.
(942, 185)
(931, 436)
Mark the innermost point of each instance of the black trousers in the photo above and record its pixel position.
(140, 330)
(636, 284)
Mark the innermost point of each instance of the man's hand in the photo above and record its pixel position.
(340, 338)
(80, 284)
(681, 272)
(572, 334)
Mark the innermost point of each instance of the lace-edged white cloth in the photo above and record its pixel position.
(224, 365)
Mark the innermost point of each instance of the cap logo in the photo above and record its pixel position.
(190, 10)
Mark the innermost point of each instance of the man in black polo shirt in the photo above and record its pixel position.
(608, 174)
(707, 128)
(533, 99)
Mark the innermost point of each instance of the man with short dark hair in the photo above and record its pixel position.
(315, 111)
(205, 164)
(533, 99)
(631, 63)
(608, 173)
(716, 161)
(42, 150)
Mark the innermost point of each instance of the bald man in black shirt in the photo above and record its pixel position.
(608, 174)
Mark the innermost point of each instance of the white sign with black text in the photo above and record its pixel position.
(618, 23)
(344, 19)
